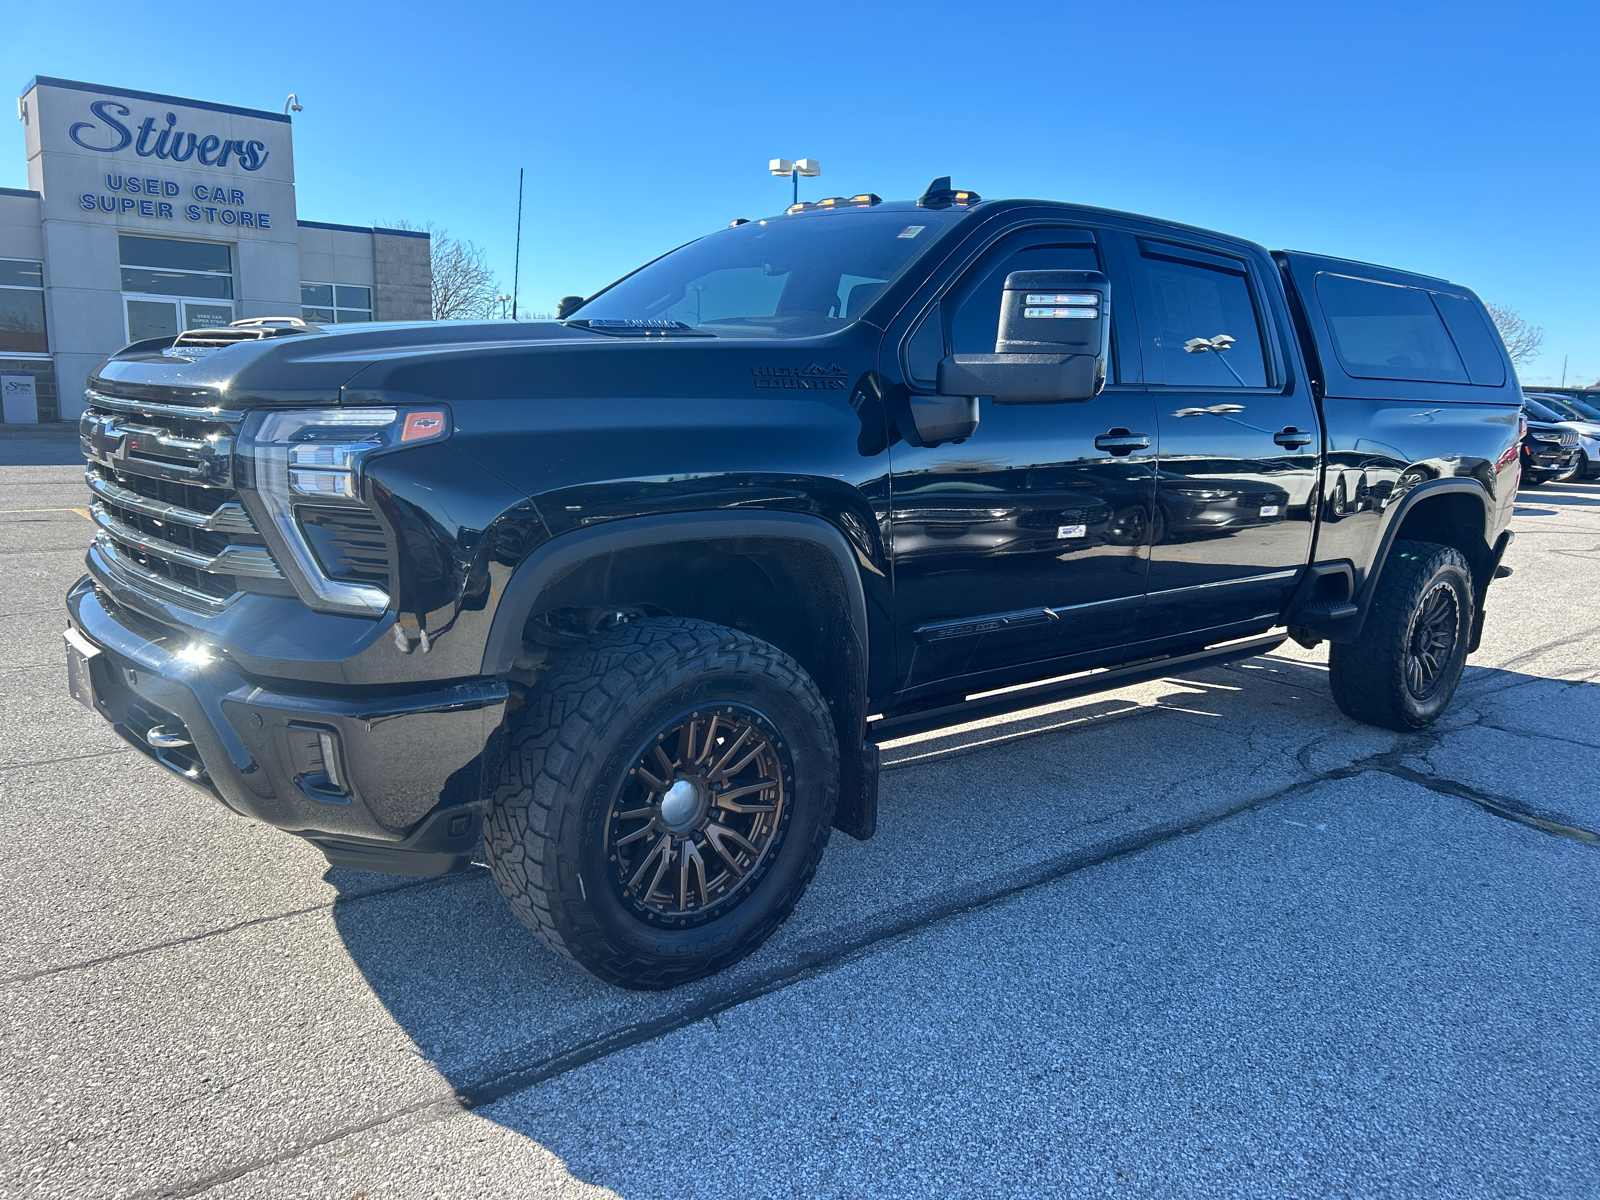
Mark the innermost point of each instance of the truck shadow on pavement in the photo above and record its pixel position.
(969, 817)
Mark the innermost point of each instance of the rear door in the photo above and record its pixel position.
(1239, 440)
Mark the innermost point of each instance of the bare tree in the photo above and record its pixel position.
(464, 286)
(1522, 339)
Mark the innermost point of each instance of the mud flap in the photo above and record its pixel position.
(857, 810)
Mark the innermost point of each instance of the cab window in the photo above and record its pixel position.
(1207, 329)
(967, 321)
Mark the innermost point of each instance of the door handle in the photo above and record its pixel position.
(1120, 441)
(1291, 438)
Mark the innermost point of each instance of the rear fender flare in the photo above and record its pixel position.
(1394, 518)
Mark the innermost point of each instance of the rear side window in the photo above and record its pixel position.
(1476, 340)
(1203, 296)
(1385, 331)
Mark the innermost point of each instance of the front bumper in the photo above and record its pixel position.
(379, 779)
(1549, 459)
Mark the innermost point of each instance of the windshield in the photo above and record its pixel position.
(1540, 412)
(793, 276)
(1573, 410)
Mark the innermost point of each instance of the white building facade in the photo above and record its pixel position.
(146, 215)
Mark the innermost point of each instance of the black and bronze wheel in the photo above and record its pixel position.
(700, 816)
(1403, 670)
(667, 794)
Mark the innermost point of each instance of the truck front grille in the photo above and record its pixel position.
(168, 519)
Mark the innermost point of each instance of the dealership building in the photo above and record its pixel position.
(146, 215)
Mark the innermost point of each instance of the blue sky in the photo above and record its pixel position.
(1456, 139)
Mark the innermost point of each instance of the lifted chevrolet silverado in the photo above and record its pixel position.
(634, 595)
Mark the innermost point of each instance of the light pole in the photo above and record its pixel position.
(809, 167)
(503, 301)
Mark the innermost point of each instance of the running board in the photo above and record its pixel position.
(1031, 695)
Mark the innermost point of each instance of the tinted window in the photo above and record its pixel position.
(1202, 297)
(151, 319)
(21, 273)
(177, 283)
(1556, 404)
(354, 297)
(180, 256)
(22, 321)
(1476, 339)
(1584, 409)
(317, 294)
(975, 317)
(1383, 331)
(1541, 412)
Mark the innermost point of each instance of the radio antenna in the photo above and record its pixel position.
(516, 269)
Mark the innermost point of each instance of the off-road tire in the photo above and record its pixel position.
(572, 744)
(1368, 676)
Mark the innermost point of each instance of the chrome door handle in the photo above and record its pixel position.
(1120, 441)
(1291, 438)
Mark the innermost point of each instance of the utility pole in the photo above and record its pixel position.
(1563, 370)
(516, 269)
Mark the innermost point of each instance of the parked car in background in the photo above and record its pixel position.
(1549, 447)
(1583, 417)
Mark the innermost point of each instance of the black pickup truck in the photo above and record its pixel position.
(634, 595)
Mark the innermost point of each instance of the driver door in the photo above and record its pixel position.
(1029, 541)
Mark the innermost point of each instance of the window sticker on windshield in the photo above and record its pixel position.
(911, 231)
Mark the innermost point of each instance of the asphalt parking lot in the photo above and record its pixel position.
(1202, 936)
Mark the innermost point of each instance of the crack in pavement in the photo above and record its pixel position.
(440, 881)
(821, 954)
(66, 758)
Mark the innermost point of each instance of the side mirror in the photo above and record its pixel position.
(1054, 338)
(568, 305)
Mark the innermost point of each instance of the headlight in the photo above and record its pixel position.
(307, 458)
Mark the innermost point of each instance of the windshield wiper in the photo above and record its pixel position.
(637, 327)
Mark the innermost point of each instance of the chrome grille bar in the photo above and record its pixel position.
(235, 560)
(120, 566)
(230, 517)
(187, 412)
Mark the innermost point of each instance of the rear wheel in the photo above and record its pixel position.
(1403, 670)
(667, 796)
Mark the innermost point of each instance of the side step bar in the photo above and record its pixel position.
(1083, 684)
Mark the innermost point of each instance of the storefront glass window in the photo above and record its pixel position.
(195, 275)
(22, 307)
(328, 303)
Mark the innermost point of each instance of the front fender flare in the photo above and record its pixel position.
(563, 553)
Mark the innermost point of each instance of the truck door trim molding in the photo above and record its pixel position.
(1195, 587)
(939, 631)
(559, 555)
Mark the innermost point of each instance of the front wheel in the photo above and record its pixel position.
(1403, 670)
(667, 796)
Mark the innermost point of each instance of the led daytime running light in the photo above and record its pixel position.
(316, 455)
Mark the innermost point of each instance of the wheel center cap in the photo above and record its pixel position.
(682, 805)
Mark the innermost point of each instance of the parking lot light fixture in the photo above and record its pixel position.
(809, 167)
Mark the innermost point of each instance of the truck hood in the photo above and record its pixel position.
(310, 367)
